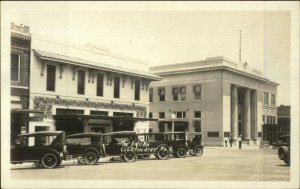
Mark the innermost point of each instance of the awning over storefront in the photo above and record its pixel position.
(80, 116)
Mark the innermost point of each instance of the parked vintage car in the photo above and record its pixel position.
(87, 147)
(284, 152)
(194, 143)
(120, 144)
(177, 143)
(152, 144)
(45, 149)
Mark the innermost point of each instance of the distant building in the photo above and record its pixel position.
(87, 88)
(20, 66)
(216, 96)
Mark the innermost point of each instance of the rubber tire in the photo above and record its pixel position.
(145, 156)
(81, 160)
(198, 151)
(90, 158)
(163, 153)
(181, 152)
(282, 152)
(38, 164)
(287, 160)
(129, 156)
(49, 160)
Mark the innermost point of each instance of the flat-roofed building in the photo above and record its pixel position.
(216, 96)
(87, 88)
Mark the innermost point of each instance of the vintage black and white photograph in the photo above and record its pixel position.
(149, 94)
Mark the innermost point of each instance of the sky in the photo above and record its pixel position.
(169, 36)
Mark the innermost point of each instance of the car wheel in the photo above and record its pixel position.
(282, 152)
(198, 151)
(287, 160)
(38, 164)
(163, 152)
(49, 160)
(81, 160)
(90, 158)
(146, 156)
(181, 152)
(129, 156)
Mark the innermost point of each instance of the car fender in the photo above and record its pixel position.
(181, 145)
(52, 151)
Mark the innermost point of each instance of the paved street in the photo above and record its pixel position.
(216, 164)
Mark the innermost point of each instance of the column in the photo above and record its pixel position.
(253, 108)
(247, 120)
(234, 112)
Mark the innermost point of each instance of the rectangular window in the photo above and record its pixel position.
(150, 94)
(150, 115)
(213, 134)
(161, 115)
(61, 111)
(197, 125)
(51, 70)
(100, 81)
(183, 93)
(81, 82)
(266, 99)
(264, 118)
(259, 134)
(273, 100)
(197, 114)
(175, 93)
(197, 91)
(226, 134)
(117, 87)
(137, 86)
(123, 114)
(161, 93)
(102, 113)
(180, 114)
(15, 67)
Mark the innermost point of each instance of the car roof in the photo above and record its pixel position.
(84, 134)
(42, 133)
(120, 133)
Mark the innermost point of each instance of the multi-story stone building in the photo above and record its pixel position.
(19, 71)
(87, 88)
(216, 96)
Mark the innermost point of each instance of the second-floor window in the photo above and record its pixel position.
(150, 115)
(197, 114)
(117, 87)
(51, 70)
(100, 84)
(197, 91)
(266, 99)
(161, 115)
(81, 82)
(183, 93)
(137, 85)
(273, 104)
(175, 92)
(15, 67)
(161, 93)
(150, 94)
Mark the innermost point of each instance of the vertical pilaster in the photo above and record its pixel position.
(234, 112)
(247, 115)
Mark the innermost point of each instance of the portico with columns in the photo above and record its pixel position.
(243, 113)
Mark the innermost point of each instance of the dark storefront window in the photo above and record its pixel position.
(61, 111)
(81, 82)
(117, 87)
(100, 84)
(15, 67)
(51, 70)
(137, 85)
